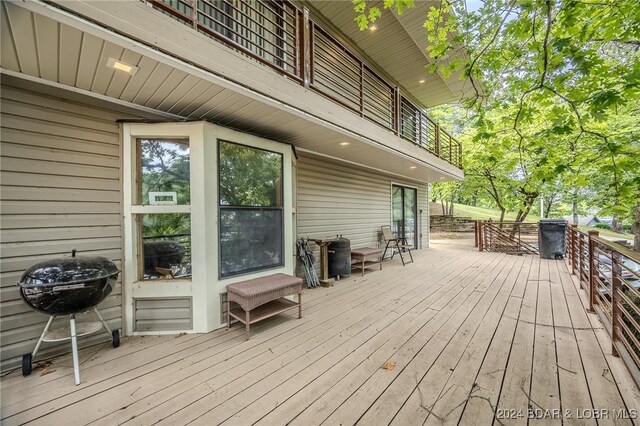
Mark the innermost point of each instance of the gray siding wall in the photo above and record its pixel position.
(60, 189)
(336, 199)
(163, 314)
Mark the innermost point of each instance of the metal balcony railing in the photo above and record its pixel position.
(610, 274)
(281, 36)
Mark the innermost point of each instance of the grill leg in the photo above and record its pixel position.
(104, 324)
(74, 349)
(35, 351)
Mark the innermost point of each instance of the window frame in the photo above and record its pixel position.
(139, 209)
(221, 207)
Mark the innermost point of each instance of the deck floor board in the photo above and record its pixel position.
(465, 338)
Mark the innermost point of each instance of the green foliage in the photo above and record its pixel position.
(602, 226)
(367, 15)
(249, 176)
(554, 106)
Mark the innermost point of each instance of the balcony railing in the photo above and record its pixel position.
(507, 237)
(282, 36)
(610, 273)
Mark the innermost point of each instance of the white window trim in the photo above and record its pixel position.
(204, 287)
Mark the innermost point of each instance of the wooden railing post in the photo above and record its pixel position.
(194, 14)
(616, 271)
(481, 235)
(592, 270)
(580, 255)
(475, 233)
(305, 46)
(573, 231)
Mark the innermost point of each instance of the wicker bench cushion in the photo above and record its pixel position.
(258, 291)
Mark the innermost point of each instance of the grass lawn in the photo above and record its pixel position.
(481, 213)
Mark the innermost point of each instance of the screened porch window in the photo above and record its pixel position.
(251, 209)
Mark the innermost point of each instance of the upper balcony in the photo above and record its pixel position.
(296, 74)
(283, 36)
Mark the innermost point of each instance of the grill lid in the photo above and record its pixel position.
(68, 270)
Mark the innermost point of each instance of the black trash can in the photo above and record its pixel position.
(340, 257)
(552, 237)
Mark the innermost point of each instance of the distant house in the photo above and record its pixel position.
(584, 220)
(606, 219)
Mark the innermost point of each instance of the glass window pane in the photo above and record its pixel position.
(249, 176)
(163, 172)
(250, 239)
(166, 246)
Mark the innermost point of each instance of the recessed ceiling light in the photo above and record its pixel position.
(121, 66)
(373, 28)
(441, 177)
(344, 143)
(413, 167)
(421, 81)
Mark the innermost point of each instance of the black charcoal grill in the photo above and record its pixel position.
(68, 286)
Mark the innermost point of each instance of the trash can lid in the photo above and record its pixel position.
(552, 221)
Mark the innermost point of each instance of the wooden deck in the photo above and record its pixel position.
(461, 333)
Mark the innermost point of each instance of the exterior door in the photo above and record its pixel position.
(404, 211)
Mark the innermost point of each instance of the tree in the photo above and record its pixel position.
(557, 81)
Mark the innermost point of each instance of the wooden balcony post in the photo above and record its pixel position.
(592, 270)
(481, 235)
(398, 122)
(459, 154)
(361, 89)
(616, 271)
(194, 14)
(437, 140)
(305, 46)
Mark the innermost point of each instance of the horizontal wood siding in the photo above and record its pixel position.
(163, 314)
(60, 189)
(335, 199)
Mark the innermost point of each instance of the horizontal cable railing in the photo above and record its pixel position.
(610, 273)
(280, 35)
(507, 237)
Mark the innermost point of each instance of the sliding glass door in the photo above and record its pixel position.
(404, 211)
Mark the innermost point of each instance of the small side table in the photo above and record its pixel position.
(323, 243)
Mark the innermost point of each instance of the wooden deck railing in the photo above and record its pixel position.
(281, 35)
(610, 273)
(507, 237)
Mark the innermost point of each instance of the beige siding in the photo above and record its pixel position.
(163, 314)
(60, 189)
(337, 199)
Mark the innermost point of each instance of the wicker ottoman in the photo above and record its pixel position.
(263, 297)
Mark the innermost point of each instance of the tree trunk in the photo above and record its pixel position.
(451, 206)
(502, 212)
(574, 206)
(616, 225)
(548, 203)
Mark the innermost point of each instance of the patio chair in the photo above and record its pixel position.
(396, 244)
